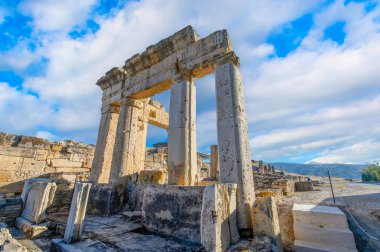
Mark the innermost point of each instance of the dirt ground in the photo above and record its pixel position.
(361, 199)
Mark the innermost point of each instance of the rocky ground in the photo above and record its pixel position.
(361, 199)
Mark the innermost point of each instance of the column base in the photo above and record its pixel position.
(106, 200)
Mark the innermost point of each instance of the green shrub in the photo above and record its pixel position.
(371, 172)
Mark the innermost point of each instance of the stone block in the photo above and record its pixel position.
(265, 220)
(285, 217)
(17, 152)
(31, 230)
(8, 243)
(173, 211)
(77, 212)
(218, 220)
(303, 186)
(304, 246)
(38, 200)
(332, 237)
(106, 199)
(65, 163)
(10, 163)
(319, 216)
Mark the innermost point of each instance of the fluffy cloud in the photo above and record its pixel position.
(55, 15)
(309, 105)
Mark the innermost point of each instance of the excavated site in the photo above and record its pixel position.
(122, 196)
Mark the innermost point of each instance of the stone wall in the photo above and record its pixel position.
(10, 209)
(23, 157)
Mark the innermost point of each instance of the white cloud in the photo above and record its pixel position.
(56, 15)
(48, 135)
(20, 112)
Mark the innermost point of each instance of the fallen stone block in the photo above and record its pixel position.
(32, 230)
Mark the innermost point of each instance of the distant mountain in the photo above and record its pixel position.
(318, 169)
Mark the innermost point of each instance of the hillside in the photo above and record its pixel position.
(337, 170)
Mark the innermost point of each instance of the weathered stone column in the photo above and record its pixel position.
(261, 167)
(233, 142)
(123, 161)
(214, 161)
(101, 166)
(182, 150)
(77, 212)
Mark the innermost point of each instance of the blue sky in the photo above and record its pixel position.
(310, 69)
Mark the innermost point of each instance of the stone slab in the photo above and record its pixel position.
(329, 236)
(319, 215)
(303, 246)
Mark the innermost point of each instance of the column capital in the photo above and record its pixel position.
(132, 102)
(229, 57)
(110, 108)
(184, 75)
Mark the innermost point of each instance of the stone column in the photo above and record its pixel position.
(77, 212)
(233, 142)
(123, 162)
(261, 167)
(182, 149)
(214, 161)
(101, 166)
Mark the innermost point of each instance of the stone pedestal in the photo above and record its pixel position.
(77, 212)
(123, 162)
(214, 162)
(39, 198)
(101, 165)
(233, 142)
(218, 221)
(182, 150)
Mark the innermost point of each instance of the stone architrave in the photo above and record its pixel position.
(182, 149)
(123, 161)
(218, 221)
(77, 212)
(233, 142)
(39, 198)
(214, 161)
(265, 220)
(101, 166)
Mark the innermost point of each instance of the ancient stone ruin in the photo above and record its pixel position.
(123, 196)
(174, 63)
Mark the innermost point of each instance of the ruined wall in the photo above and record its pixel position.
(23, 157)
